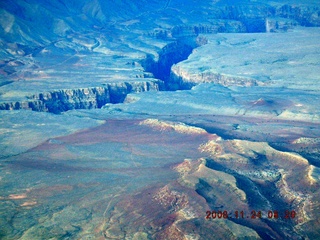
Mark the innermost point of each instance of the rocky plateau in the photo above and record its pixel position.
(159, 119)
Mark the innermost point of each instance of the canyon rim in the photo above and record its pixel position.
(159, 119)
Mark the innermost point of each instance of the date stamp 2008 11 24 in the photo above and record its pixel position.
(286, 214)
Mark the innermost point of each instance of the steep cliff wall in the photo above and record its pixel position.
(253, 15)
(305, 15)
(58, 101)
(244, 17)
(187, 30)
(172, 53)
(182, 79)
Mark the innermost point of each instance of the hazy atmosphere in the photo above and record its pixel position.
(159, 119)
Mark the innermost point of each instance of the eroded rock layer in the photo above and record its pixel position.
(233, 156)
(235, 176)
(86, 98)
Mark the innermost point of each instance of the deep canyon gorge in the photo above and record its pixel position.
(159, 119)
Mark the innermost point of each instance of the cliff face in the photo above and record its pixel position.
(250, 18)
(186, 30)
(58, 101)
(183, 79)
(171, 54)
(305, 15)
(253, 16)
(279, 24)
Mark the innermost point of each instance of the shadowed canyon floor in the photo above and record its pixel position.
(159, 120)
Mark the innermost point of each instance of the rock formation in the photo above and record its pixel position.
(84, 98)
(172, 119)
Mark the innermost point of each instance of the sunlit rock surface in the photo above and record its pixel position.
(94, 144)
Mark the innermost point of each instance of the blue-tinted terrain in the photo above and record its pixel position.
(159, 119)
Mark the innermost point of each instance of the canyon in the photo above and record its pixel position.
(134, 119)
(30, 58)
